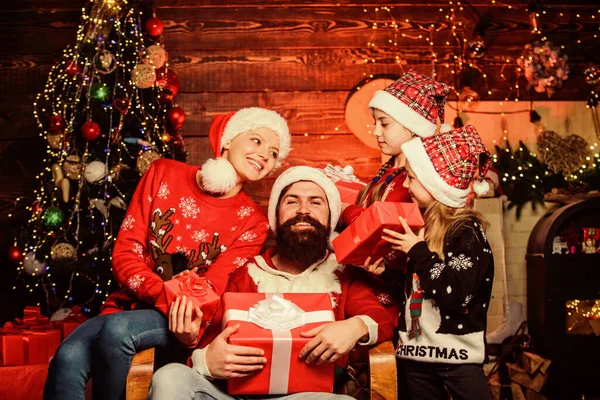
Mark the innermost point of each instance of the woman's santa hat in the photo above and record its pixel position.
(304, 173)
(218, 175)
(415, 101)
(447, 162)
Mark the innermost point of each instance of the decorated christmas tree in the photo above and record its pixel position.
(106, 113)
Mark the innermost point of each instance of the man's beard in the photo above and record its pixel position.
(306, 246)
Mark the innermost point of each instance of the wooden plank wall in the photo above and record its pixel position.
(300, 58)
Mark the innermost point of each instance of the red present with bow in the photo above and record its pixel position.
(345, 181)
(273, 323)
(195, 288)
(362, 238)
(70, 322)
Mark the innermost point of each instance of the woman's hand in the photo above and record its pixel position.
(403, 241)
(376, 268)
(184, 327)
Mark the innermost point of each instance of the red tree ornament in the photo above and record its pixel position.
(90, 130)
(15, 254)
(154, 26)
(72, 68)
(176, 116)
(56, 124)
(168, 81)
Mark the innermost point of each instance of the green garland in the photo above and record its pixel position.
(525, 178)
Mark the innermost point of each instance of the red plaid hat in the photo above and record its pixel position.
(415, 101)
(447, 162)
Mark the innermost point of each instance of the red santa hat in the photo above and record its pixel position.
(304, 173)
(447, 162)
(218, 175)
(415, 101)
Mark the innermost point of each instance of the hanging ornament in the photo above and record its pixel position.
(95, 172)
(562, 155)
(154, 55)
(145, 159)
(63, 252)
(73, 68)
(60, 181)
(104, 62)
(122, 105)
(168, 81)
(52, 217)
(476, 47)
(593, 106)
(55, 140)
(32, 266)
(165, 137)
(90, 130)
(143, 76)
(176, 116)
(15, 254)
(592, 74)
(99, 91)
(534, 17)
(154, 26)
(36, 207)
(468, 99)
(56, 123)
(72, 166)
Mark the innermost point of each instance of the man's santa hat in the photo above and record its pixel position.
(304, 173)
(414, 101)
(218, 175)
(447, 162)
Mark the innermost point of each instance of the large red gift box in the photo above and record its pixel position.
(362, 238)
(195, 288)
(12, 349)
(346, 183)
(273, 322)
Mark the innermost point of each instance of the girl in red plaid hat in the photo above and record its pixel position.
(410, 106)
(446, 289)
(180, 217)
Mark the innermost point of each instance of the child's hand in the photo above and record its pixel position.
(376, 268)
(403, 241)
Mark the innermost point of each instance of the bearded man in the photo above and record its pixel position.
(304, 208)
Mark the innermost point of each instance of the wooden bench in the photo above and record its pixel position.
(382, 373)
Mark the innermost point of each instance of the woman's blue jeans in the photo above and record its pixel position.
(102, 348)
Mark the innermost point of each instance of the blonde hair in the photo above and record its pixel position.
(442, 221)
(379, 185)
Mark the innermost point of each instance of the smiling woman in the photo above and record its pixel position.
(180, 217)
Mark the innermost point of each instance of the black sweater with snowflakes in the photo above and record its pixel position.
(450, 299)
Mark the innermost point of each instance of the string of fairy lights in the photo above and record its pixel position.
(588, 309)
(100, 80)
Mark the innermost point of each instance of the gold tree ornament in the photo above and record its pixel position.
(562, 155)
(63, 252)
(55, 140)
(145, 159)
(72, 166)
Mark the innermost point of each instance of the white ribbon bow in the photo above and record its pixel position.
(337, 173)
(277, 313)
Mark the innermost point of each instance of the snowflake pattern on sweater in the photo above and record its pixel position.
(453, 315)
(180, 218)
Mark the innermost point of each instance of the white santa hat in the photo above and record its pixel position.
(304, 173)
(218, 175)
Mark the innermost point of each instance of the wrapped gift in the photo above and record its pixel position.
(347, 184)
(362, 238)
(52, 336)
(195, 288)
(36, 348)
(12, 349)
(273, 323)
(71, 322)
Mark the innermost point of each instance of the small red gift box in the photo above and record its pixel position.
(12, 349)
(362, 238)
(36, 348)
(347, 184)
(273, 323)
(195, 288)
(53, 337)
